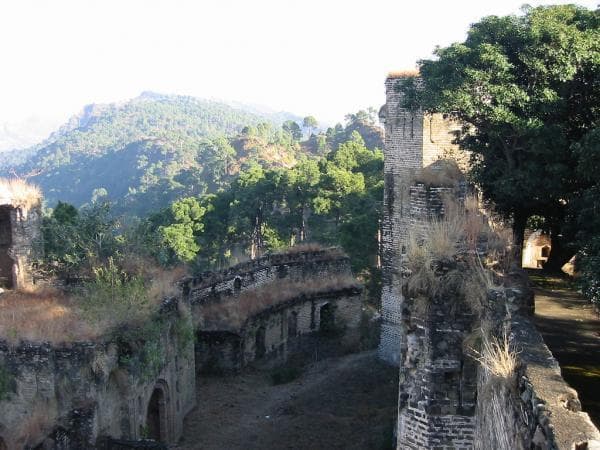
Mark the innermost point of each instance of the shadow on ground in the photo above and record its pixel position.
(346, 402)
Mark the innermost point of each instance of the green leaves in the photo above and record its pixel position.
(180, 236)
(527, 87)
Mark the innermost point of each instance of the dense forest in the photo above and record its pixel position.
(148, 151)
(217, 198)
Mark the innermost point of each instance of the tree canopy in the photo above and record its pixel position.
(526, 87)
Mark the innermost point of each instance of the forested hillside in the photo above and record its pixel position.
(146, 152)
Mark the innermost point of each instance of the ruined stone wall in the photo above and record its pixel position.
(437, 391)
(280, 327)
(305, 312)
(535, 408)
(413, 140)
(69, 396)
(211, 286)
(25, 229)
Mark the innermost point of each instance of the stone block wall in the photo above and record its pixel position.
(272, 334)
(19, 244)
(67, 397)
(283, 325)
(437, 392)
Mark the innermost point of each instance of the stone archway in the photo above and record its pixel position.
(157, 414)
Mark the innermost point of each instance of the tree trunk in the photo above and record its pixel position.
(519, 224)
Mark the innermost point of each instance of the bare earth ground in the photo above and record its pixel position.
(346, 402)
(571, 329)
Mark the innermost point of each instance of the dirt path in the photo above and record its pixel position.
(571, 330)
(339, 403)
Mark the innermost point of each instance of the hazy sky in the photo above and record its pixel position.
(320, 57)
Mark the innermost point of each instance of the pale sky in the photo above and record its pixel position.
(320, 57)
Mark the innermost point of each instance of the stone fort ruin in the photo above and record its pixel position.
(447, 401)
(103, 394)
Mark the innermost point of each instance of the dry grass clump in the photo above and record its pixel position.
(161, 282)
(470, 254)
(17, 192)
(51, 315)
(307, 247)
(497, 357)
(233, 313)
(42, 315)
(440, 173)
(405, 73)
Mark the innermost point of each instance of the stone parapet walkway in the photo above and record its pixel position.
(571, 329)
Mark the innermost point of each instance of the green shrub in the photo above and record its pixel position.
(114, 297)
(184, 332)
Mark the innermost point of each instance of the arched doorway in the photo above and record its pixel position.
(260, 347)
(157, 420)
(327, 318)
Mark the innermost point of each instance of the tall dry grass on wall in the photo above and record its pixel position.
(461, 251)
(48, 314)
(17, 192)
(497, 396)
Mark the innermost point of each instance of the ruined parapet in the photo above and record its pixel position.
(71, 396)
(293, 266)
(532, 407)
(273, 333)
(438, 381)
(20, 225)
(413, 141)
(258, 310)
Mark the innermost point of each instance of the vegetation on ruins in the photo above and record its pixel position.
(526, 88)
(461, 253)
(233, 314)
(497, 357)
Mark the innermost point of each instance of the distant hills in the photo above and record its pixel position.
(143, 153)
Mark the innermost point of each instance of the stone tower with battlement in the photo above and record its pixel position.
(413, 140)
